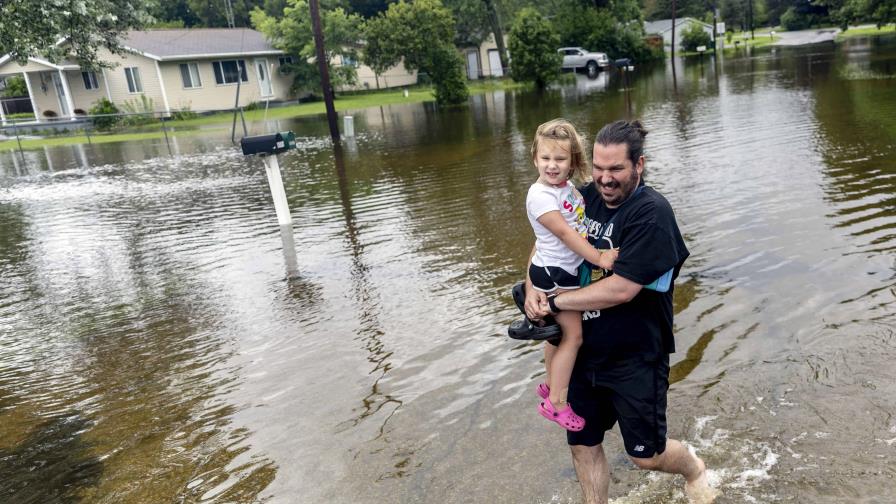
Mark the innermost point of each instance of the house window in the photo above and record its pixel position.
(189, 74)
(284, 60)
(135, 85)
(226, 71)
(89, 80)
(349, 61)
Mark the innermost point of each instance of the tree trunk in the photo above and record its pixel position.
(497, 31)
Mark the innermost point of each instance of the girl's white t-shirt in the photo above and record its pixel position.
(550, 250)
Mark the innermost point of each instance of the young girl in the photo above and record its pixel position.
(556, 209)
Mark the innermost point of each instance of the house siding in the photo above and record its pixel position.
(214, 96)
(83, 98)
(396, 76)
(118, 84)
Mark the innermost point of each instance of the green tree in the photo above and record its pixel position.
(292, 33)
(213, 13)
(846, 12)
(695, 36)
(171, 14)
(533, 48)
(606, 29)
(422, 34)
(32, 28)
(14, 86)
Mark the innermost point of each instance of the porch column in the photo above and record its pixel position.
(31, 97)
(68, 95)
(2, 115)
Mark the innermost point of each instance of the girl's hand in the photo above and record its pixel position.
(607, 258)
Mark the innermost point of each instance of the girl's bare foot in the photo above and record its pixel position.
(698, 489)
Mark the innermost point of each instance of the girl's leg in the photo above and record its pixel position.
(549, 352)
(565, 356)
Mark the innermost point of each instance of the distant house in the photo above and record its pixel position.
(663, 28)
(484, 60)
(396, 76)
(174, 69)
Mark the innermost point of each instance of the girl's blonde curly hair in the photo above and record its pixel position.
(561, 130)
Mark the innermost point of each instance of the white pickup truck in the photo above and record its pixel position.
(576, 58)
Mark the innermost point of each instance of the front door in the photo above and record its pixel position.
(472, 65)
(60, 94)
(494, 61)
(264, 77)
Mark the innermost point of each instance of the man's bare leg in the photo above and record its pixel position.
(593, 473)
(677, 459)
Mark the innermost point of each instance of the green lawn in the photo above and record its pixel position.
(344, 101)
(97, 138)
(762, 37)
(867, 31)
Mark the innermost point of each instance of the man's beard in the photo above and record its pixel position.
(627, 188)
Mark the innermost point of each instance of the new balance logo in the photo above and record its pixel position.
(639, 448)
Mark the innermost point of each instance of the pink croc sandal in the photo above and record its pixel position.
(565, 418)
(543, 390)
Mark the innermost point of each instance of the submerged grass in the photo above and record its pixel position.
(344, 101)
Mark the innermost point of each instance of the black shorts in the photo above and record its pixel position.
(632, 392)
(551, 278)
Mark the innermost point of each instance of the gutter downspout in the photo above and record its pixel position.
(164, 94)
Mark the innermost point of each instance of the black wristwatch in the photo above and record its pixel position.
(552, 305)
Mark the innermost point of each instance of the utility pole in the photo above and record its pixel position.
(673, 36)
(324, 71)
(750, 6)
(715, 26)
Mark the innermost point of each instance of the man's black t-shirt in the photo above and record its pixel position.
(650, 244)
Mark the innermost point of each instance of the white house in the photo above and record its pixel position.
(663, 27)
(175, 69)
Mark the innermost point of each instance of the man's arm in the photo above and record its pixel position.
(606, 293)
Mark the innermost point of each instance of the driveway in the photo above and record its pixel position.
(804, 37)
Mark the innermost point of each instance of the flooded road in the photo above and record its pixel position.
(156, 346)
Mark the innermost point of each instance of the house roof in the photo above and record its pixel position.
(182, 43)
(664, 25)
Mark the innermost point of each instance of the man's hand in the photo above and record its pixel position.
(535, 299)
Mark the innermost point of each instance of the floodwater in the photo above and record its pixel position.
(160, 341)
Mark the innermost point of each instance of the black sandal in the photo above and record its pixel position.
(527, 329)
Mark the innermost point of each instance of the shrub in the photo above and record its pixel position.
(695, 36)
(143, 110)
(183, 114)
(104, 106)
(533, 48)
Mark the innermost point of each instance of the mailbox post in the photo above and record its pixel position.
(268, 146)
